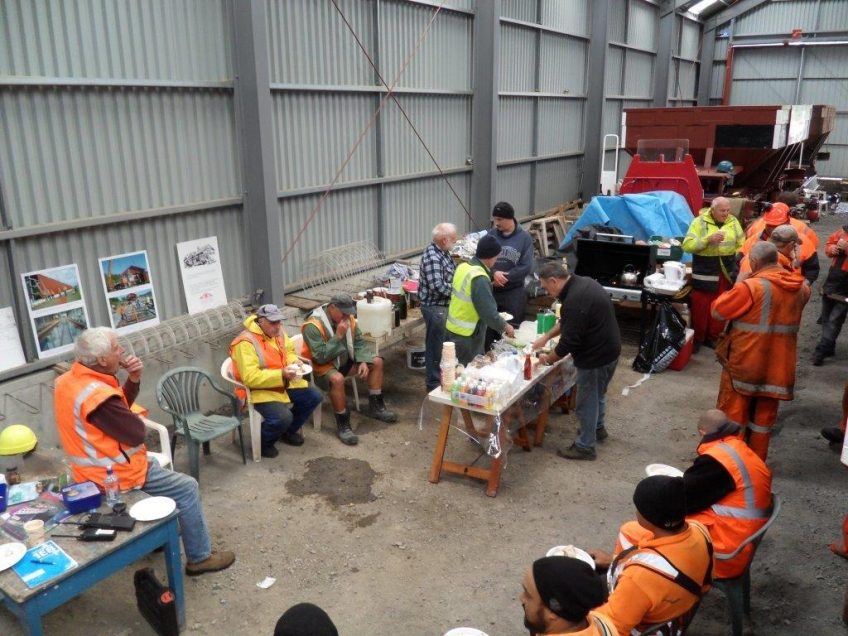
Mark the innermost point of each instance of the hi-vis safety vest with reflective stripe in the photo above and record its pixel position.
(78, 393)
(462, 315)
(321, 369)
(763, 342)
(711, 261)
(268, 356)
(742, 512)
(809, 239)
(601, 624)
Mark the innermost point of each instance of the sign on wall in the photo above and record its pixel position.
(128, 287)
(11, 352)
(203, 280)
(56, 308)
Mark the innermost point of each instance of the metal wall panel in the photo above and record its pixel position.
(765, 63)
(770, 92)
(518, 58)
(827, 62)
(833, 13)
(151, 40)
(519, 10)
(413, 208)
(443, 60)
(617, 21)
(80, 152)
(683, 82)
(564, 62)
(614, 70)
(639, 74)
(611, 118)
(690, 39)
(778, 17)
(572, 16)
(314, 132)
(720, 51)
(159, 237)
(444, 124)
(717, 84)
(837, 165)
(643, 25)
(515, 128)
(831, 92)
(839, 134)
(7, 282)
(308, 42)
(557, 181)
(560, 125)
(513, 185)
(345, 216)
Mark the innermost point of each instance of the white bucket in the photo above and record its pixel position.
(415, 357)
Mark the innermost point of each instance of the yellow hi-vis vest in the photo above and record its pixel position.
(462, 315)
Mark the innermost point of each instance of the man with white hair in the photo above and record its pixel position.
(434, 292)
(98, 430)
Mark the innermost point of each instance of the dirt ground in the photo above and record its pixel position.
(361, 532)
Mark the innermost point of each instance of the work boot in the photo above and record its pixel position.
(818, 359)
(833, 435)
(575, 452)
(601, 434)
(294, 438)
(216, 561)
(269, 451)
(345, 433)
(379, 410)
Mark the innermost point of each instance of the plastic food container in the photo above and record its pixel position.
(81, 497)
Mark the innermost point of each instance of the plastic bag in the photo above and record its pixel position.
(662, 342)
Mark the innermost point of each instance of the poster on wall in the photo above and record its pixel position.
(11, 352)
(56, 308)
(129, 291)
(203, 280)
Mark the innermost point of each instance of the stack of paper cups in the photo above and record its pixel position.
(448, 365)
(844, 457)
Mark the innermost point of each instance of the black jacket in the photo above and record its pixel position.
(588, 329)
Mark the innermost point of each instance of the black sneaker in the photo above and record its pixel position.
(292, 439)
(601, 434)
(270, 452)
(833, 435)
(575, 452)
(818, 359)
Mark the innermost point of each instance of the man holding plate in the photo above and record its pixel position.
(264, 360)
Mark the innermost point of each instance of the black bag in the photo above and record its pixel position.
(156, 603)
(662, 342)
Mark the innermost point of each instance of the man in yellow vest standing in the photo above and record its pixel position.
(262, 355)
(97, 430)
(335, 347)
(472, 306)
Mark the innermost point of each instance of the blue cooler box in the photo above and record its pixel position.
(3, 487)
(81, 497)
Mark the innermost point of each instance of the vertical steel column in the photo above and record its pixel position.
(254, 117)
(591, 182)
(378, 130)
(537, 80)
(663, 60)
(484, 126)
(705, 68)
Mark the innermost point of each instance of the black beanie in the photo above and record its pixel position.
(305, 619)
(661, 500)
(488, 247)
(568, 587)
(503, 210)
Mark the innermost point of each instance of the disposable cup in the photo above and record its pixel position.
(35, 532)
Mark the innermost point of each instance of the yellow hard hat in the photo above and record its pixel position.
(17, 439)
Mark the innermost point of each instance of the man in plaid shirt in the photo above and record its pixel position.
(434, 292)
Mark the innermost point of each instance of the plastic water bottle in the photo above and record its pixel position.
(111, 487)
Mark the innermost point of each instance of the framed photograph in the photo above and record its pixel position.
(56, 307)
(128, 287)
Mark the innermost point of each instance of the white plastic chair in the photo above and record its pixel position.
(297, 341)
(164, 458)
(254, 418)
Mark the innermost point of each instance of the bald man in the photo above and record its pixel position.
(728, 489)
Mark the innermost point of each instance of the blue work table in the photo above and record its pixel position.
(97, 560)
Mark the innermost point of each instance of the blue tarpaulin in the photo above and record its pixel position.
(661, 213)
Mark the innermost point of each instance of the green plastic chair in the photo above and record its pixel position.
(178, 393)
(738, 590)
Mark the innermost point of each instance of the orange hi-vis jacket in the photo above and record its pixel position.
(599, 625)
(830, 249)
(321, 369)
(762, 340)
(742, 512)
(783, 261)
(656, 579)
(78, 393)
(807, 234)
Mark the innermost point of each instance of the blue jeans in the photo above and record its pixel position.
(591, 402)
(184, 490)
(434, 320)
(833, 317)
(279, 418)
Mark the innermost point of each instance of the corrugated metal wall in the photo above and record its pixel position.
(685, 62)
(791, 74)
(109, 108)
(542, 101)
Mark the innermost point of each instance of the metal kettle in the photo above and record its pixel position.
(630, 276)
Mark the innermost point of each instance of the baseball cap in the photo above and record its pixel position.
(270, 312)
(344, 303)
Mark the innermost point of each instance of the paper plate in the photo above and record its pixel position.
(11, 553)
(506, 316)
(465, 631)
(153, 508)
(662, 469)
(572, 551)
(303, 369)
